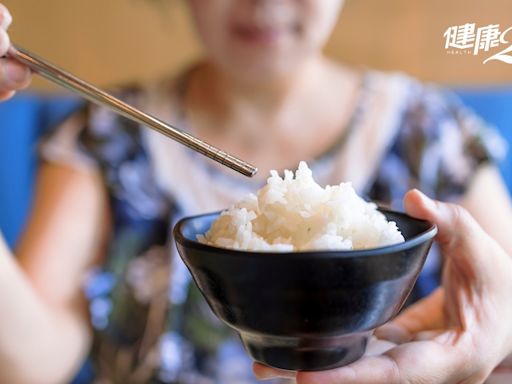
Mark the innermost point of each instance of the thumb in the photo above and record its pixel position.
(455, 225)
(425, 315)
(472, 254)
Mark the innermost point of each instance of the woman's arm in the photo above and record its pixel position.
(44, 329)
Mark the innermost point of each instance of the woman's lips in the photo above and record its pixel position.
(258, 34)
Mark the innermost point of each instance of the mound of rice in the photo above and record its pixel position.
(296, 214)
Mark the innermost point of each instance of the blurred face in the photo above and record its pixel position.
(263, 39)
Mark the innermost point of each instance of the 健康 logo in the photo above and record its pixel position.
(469, 39)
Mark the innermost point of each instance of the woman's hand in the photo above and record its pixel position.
(460, 333)
(13, 75)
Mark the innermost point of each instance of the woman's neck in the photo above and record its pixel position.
(272, 123)
(265, 97)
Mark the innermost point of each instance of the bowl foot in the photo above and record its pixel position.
(306, 354)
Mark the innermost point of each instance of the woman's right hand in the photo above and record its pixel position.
(460, 333)
(13, 75)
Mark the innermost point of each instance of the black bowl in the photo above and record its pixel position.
(306, 310)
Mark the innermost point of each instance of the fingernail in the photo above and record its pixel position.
(262, 375)
(393, 333)
(16, 73)
(427, 201)
(266, 376)
(5, 18)
(273, 373)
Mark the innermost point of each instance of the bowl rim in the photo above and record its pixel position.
(424, 236)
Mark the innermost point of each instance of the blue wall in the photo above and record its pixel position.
(22, 121)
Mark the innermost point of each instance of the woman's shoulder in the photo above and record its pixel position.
(419, 98)
(423, 107)
(108, 137)
(412, 90)
(441, 141)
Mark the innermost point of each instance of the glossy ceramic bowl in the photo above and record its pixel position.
(305, 310)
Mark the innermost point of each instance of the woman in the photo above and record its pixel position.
(109, 192)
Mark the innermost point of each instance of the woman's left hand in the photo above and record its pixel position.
(459, 334)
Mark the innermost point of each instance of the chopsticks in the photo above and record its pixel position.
(97, 96)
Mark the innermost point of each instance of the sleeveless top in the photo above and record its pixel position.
(151, 323)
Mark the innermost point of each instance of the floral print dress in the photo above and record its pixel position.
(151, 323)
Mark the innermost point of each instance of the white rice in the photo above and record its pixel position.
(296, 214)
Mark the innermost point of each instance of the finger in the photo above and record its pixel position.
(378, 347)
(264, 372)
(6, 95)
(507, 361)
(424, 315)
(462, 240)
(5, 17)
(368, 370)
(5, 42)
(499, 377)
(394, 333)
(13, 75)
(416, 362)
(505, 366)
(453, 221)
(428, 335)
